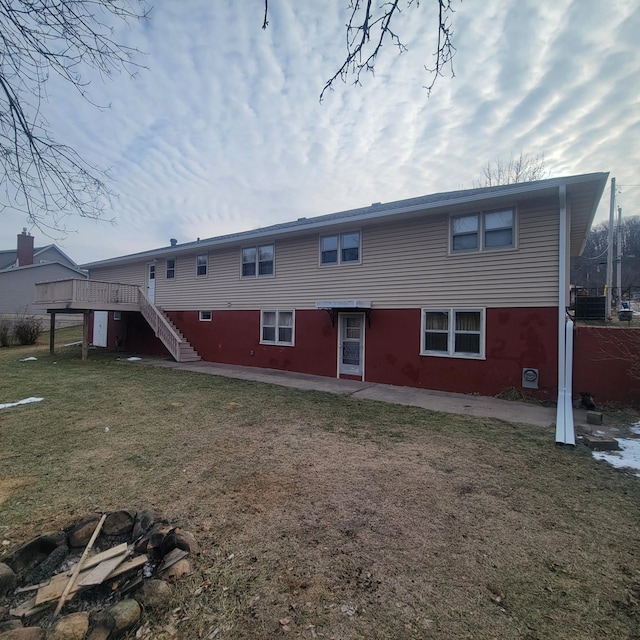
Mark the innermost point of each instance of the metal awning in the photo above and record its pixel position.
(334, 307)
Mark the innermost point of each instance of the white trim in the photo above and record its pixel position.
(451, 333)
(277, 341)
(341, 317)
(340, 261)
(206, 265)
(175, 267)
(482, 248)
(256, 262)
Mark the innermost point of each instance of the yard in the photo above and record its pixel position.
(324, 516)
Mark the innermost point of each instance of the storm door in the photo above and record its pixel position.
(351, 344)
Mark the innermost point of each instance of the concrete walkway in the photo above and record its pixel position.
(463, 404)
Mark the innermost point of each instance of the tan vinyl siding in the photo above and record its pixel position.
(127, 273)
(404, 265)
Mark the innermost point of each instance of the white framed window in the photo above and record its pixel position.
(202, 264)
(277, 327)
(171, 268)
(340, 248)
(117, 315)
(258, 261)
(456, 333)
(483, 231)
(204, 316)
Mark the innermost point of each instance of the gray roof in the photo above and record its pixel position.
(422, 205)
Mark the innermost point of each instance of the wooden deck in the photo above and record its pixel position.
(86, 295)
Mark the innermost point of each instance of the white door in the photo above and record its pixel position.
(151, 282)
(351, 344)
(100, 319)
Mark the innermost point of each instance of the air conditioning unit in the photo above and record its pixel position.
(530, 378)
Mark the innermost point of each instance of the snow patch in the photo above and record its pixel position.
(6, 405)
(29, 359)
(133, 359)
(627, 457)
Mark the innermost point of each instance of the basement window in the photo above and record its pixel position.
(204, 316)
(453, 332)
(277, 327)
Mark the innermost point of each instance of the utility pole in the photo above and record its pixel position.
(608, 287)
(619, 258)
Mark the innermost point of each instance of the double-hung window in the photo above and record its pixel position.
(202, 261)
(258, 261)
(276, 327)
(340, 248)
(171, 268)
(453, 332)
(483, 231)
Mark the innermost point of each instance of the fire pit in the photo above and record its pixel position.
(93, 579)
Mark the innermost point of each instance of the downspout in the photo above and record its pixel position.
(565, 433)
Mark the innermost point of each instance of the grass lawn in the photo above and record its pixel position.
(324, 516)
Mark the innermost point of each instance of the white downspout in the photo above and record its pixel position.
(565, 433)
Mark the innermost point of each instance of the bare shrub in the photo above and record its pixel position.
(27, 330)
(5, 333)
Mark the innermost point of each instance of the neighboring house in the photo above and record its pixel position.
(462, 291)
(23, 267)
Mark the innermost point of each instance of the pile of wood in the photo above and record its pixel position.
(123, 550)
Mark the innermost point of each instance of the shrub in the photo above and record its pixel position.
(27, 330)
(5, 333)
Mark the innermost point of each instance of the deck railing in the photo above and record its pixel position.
(160, 325)
(93, 292)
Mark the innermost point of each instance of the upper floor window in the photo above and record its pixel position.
(485, 230)
(258, 261)
(277, 327)
(202, 261)
(171, 268)
(340, 248)
(453, 332)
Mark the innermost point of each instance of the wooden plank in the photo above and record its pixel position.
(76, 571)
(54, 589)
(120, 550)
(99, 573)
(27, 608)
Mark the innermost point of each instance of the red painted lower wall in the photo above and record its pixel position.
(606, 359)
(515, 338)
(607, 364)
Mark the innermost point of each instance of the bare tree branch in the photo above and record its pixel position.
(522, 168)
(369, 27)
(43, 178)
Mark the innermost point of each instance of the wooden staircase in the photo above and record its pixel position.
(164, 329)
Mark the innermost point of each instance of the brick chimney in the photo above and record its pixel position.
(25, 248)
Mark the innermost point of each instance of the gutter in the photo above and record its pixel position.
(565, 432)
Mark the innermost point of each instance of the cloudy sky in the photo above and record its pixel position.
(223, 131)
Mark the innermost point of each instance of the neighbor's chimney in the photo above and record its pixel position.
(173, 242)
(25, 248)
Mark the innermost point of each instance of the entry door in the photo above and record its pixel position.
(151, 282)
(100, 319)
(351, 344)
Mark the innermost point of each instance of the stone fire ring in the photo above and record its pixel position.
(92, 580)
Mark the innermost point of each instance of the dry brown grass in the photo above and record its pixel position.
(324, 516)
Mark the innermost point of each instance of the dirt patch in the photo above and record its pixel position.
(8, 486)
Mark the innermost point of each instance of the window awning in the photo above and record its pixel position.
(333, 307)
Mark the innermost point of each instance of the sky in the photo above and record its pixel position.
(223, 131)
